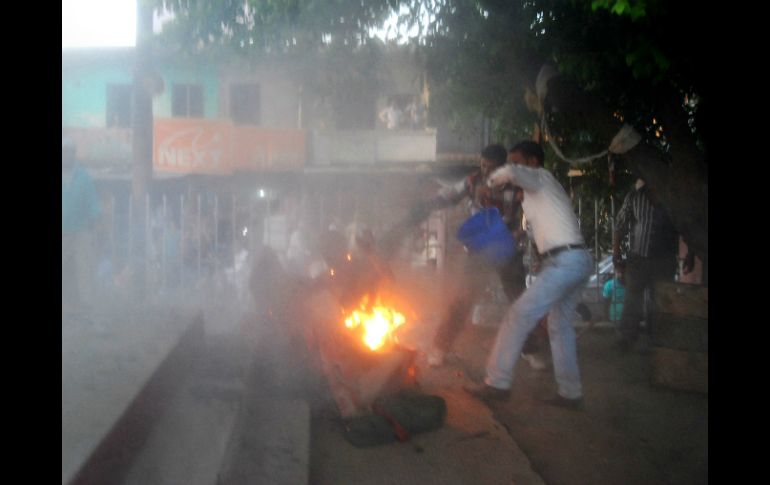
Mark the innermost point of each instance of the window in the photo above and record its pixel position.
(244, 104)
(119, 105)
(187, 101)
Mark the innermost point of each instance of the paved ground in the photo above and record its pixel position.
(472, 447)
(629, 432)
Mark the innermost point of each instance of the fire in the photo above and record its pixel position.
(377, 323)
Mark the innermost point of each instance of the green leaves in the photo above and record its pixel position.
(648, 62)
(635, 9)
(480, 54)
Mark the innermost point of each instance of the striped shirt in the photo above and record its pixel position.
(652, 233)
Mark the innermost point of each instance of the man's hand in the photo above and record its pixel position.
(500, 176)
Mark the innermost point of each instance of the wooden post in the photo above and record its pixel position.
(200, 232)
(181, 241)
(216, 233)
(163, 243)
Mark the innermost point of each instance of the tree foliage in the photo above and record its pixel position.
(481, 54)
(641, 62)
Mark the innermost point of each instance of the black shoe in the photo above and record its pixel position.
(487, 393)
(563, 402)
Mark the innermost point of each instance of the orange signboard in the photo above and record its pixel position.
(267, 149)
(184, 145)
(191, 146)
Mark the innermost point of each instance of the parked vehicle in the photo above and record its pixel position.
(592, 293)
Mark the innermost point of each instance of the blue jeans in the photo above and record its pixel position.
(556, 292)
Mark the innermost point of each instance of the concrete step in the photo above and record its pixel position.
(188, 443)
(118, 371)
(270, 445)
(222, 428)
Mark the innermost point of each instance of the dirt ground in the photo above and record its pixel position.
(630, 431)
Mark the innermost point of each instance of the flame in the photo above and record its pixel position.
(377, 324)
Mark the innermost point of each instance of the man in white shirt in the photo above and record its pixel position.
(391, 116)
(565, 268)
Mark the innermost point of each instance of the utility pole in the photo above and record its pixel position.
(141, 140)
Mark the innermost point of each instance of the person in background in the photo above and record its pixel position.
(79, 213)
(414, 113)
(392, 116)
(614, 292)
(652, 255)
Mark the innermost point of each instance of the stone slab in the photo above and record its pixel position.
(188, 442)
(681, 333)
(270, 445)
(107, 361)
(682, 299)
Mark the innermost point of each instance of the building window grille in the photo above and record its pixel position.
(187, 101)
(118, 106)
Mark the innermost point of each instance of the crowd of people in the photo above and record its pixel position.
(397, 115)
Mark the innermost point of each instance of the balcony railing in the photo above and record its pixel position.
(220, 147)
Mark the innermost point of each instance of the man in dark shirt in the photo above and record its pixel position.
(651, 258)
(476, 270)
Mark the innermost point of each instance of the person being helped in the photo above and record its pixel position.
(476, 270)
(565, 269)
(652, 255)
(614, 292)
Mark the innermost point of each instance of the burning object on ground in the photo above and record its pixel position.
(377, 323)
(372, 377)
(361, 357)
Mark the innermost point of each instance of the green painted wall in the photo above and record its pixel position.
(84, 93)
(209, 79)
(84, 90)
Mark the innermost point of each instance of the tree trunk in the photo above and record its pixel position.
(680, 186)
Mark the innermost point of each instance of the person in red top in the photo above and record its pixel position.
(476, 270)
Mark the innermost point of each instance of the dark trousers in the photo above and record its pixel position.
(512, 277)
(642, 273)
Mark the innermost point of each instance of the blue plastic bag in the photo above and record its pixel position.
(485, 233)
